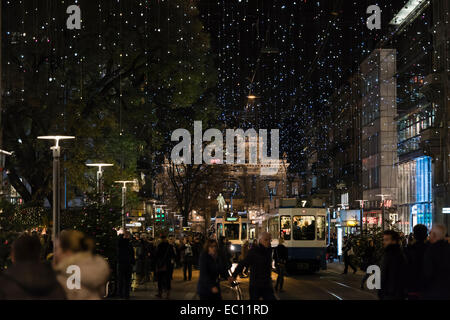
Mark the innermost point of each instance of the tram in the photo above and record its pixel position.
(237, 229)
(304, 233)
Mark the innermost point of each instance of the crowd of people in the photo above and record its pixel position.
(417, 268)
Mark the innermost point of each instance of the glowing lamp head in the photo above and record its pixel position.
(56, 139)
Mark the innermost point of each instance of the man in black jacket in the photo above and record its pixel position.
(415, 252)
(393, 268)
(164, 256)
(259, 261)
(125, 262)
(437, 265)
(280, 256)
(28, 278)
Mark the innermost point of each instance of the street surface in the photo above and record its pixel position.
(328, 284)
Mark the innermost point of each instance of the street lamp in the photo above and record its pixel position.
(56, 176)
(383, 197)
(100, 167)
(361, 205)
(124, 195)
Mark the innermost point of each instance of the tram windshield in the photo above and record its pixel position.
(244, 231)
(232, 231)
(304, 227)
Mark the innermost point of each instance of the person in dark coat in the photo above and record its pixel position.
(437, 265)
(224, 253)
(348, 253)
(211, 269)
(280, 256)
(125, 262)
(141, 255)
(415, 252)
(368, 259)
(164, 256)
(187, 259)
(174, 256)
(259, 261)
(28, 278)
(393, 268)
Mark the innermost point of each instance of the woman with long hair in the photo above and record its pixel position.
(211, 268)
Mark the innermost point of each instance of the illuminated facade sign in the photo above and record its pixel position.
(416, 192)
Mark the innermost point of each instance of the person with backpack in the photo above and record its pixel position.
(187, 258)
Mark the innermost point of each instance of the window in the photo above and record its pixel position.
(304, 227)
(274, 229)
(285, 224)
(232, 231)
(244, 231)
(219, 230)
(321, 228)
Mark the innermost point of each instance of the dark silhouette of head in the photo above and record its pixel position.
(420, 232)
(26, 248)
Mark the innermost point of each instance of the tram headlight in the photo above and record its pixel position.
(232, 248)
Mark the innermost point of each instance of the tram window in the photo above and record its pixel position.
(321, 228)
(285, 223)
(232, 231)
(219, 230)
(304, 227)
(273, 228)
(244, 231)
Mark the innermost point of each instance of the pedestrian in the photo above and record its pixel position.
(281, 257)
(368, 259)
(393, 268)
(259, 261)
(125, 262)
(164, 255)
(197, 249)
(73, 248)
(28, 278)
(415, 253)
(437, 265)
(224, 253)
(244, 252)
(348, 255)
(173, 255)
(211, 269)
(187, 258)
(141, 255)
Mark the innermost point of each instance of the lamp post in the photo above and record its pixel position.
(383, 197)
(56, 184)
(124, 195)
(100, 167)
(361, 205)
